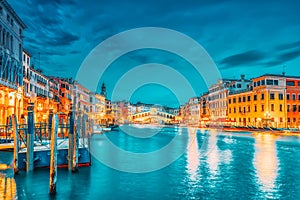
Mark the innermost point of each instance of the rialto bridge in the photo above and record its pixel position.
(153, 117)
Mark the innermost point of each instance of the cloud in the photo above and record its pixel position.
(288, 46)
(289, 52)
(243, 59)
(63, 38)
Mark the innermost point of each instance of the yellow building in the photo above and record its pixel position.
(262, 105)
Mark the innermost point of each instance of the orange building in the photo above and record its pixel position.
(262, 105)
(65, 98)
(293, 101)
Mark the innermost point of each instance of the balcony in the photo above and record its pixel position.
(41, 95)
(9, 84)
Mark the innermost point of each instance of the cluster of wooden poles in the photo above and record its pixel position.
(53, 131)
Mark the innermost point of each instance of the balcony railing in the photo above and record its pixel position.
(7, 83)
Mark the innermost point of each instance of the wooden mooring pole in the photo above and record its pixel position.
(71, 140)
(30, 138)
(16, 143)
(53, 158)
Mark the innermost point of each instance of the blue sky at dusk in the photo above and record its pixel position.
(242, 37)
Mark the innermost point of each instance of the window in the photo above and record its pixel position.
(272, 96)
(289, 120)
(276, 82)
(244, 109)
(254, 84)
(288, 108)
(240, 99)
(249, 98)
(262, 96)
(239, 85)
(229, 101)
(270, 82)
(258, 83)
(234, 100)
(240, 109)
(262, 108)
(290, 83)
(294, 120)
(280, 96)
(294, 108)
(255, 108)
(248, 108)
(234, 110)
(263, 82)
(244, 99)
(255, 97)
(280, 108)
(299, 108)
(229, 110)
(287, 96)
(294, 97)
(281, 119)
(299, 83)
(299, 97)
(272, 107)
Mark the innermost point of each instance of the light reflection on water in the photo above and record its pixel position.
(215, 166)
(193, 159)
(265, 161)
(7, 187)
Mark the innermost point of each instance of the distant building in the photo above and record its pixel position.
(98, 108)
(204, 110)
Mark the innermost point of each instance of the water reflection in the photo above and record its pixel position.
(193, 155)
(265, 161)
(213, 157)
(7, 187)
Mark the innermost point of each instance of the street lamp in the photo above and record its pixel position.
(39, 107)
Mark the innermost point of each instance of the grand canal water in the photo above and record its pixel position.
(215, 166)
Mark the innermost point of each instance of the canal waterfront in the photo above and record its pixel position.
(215, 166)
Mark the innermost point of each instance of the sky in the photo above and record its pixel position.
(248, 37)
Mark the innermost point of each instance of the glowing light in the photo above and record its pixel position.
(193, 155)
(265, 161)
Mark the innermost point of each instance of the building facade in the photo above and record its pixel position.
(293, 102)
(11, 70)
(262, 105)
(218, 94)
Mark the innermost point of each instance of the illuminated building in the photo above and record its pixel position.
(293, 101)
(98, 108)
(261, 105)
(204, 110)
(194, 111)
(218, 94)
(54, 96)
(39, 89)
(11, 71)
